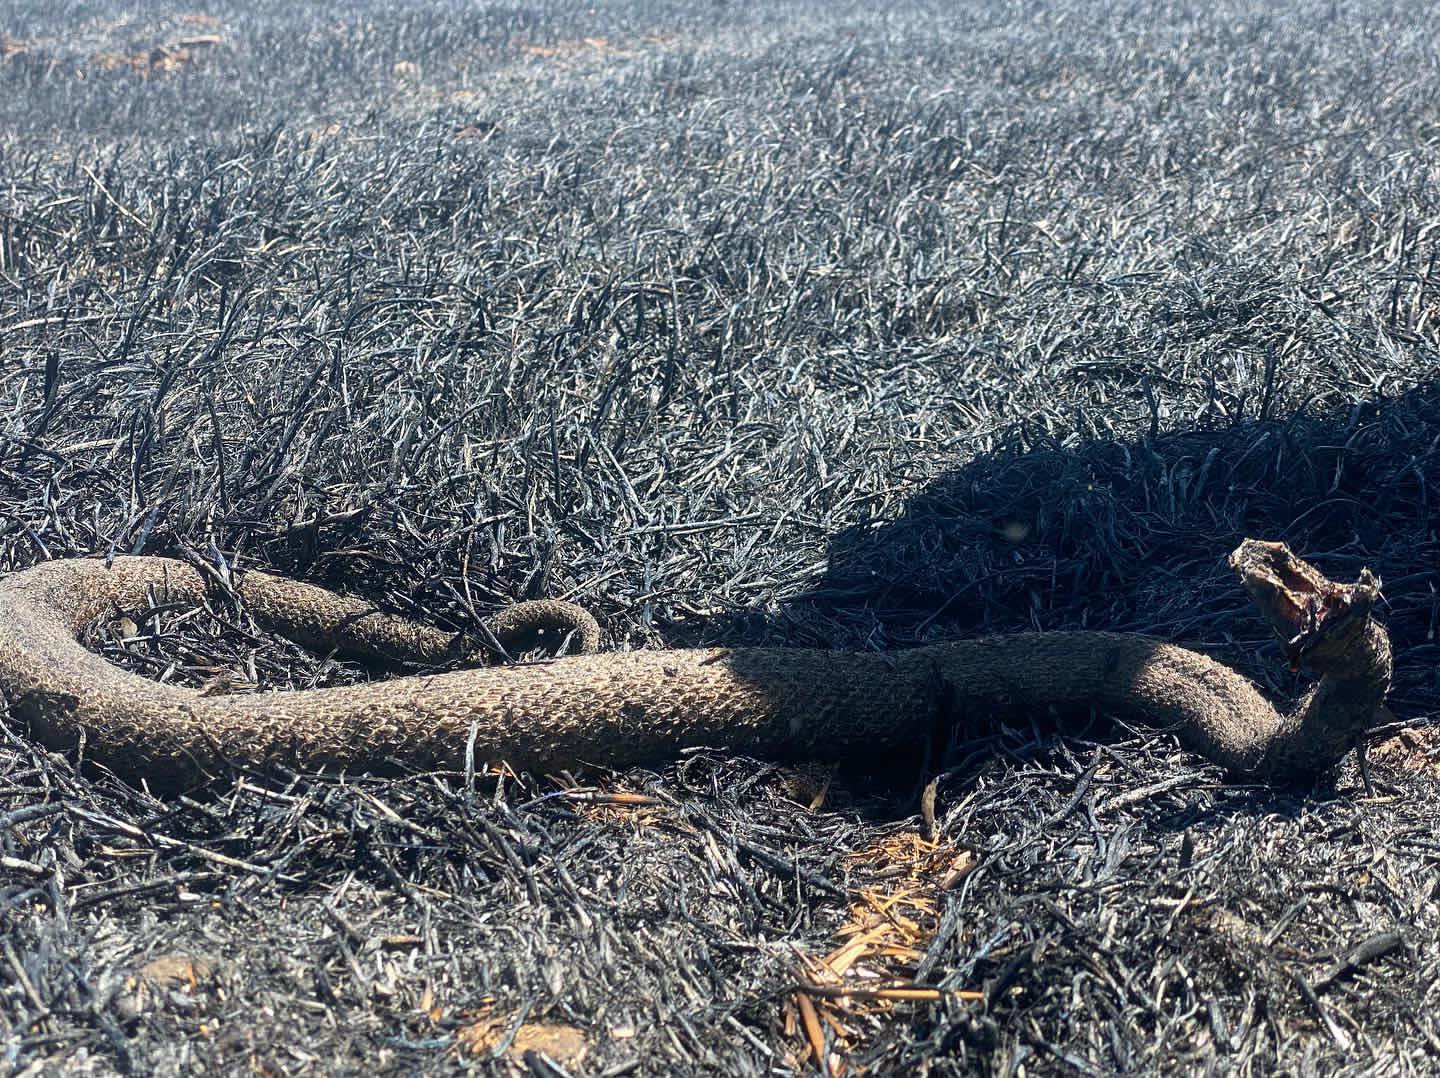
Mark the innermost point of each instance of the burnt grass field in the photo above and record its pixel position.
(841, 325)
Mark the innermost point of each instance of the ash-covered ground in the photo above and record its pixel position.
(843, 325)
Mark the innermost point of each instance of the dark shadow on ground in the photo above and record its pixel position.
(1133, 537)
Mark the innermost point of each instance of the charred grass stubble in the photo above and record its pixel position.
(740, 324)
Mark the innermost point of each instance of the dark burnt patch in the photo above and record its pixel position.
(740, 325)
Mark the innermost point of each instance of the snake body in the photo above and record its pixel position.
(640, 707)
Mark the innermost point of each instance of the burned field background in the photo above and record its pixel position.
(844, 325)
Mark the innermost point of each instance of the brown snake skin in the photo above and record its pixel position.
(639, 707)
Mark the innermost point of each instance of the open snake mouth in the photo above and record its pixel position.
(1304, 607)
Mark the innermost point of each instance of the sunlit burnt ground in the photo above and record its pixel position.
(844, 325)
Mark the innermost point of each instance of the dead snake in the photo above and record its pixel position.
(639, 707)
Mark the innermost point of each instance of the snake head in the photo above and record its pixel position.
(1317, 620)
